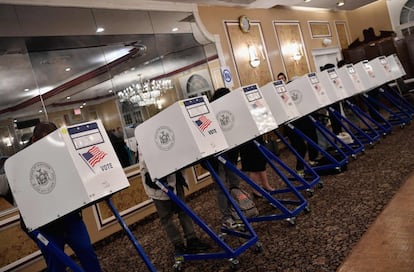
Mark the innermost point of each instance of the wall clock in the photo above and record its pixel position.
(244, 23)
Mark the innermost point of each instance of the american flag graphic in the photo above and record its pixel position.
(93, 155)
(203, 122)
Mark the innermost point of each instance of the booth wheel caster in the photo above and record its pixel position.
(234, 264)
(307, 209)
(258, 248)
(178, 265)
(291, 221)
(309, 192)
(222, 236)
(338, 170)
(320, 184)
(354, 156)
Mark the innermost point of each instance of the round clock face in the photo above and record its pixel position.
(244, 23)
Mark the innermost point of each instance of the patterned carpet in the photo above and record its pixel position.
(320, 240)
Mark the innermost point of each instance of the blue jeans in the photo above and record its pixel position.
(72, 232)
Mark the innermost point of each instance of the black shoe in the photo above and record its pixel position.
(179, 249)
(195, 245)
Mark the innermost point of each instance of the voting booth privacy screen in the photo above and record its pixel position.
(351, 80)
(178, 136)
(333, 85)
(367, 75)
(64, 171)
(382, 69)
(280, 103)
(396, 67)
(243, 114)
(308, 94)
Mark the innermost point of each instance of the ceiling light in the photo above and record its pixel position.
(26, 90)
(175, 29)
(307, 1)
(340, 3)
(100, 29)
(67, 69)
(67, 97)
(110, 91)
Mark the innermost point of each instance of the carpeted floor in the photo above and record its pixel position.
(320, 240)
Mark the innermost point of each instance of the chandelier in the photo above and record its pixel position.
(145, 93)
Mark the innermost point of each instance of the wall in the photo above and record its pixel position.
(373, 15)
(213, 19)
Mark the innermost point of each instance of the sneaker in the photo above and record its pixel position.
(234, 224)
(313, 163)
(301, 173)
(195, 245)
(179, 249)
(229, 223)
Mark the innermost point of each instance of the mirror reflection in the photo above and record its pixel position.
(78, 65)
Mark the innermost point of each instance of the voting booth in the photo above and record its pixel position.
(367, 75)
(182, 134)
(280, 103)
(308, 94)
(66, 170)
(333, 85)
(382, 69)
(396, 67)
(243, 114)
(351, 80)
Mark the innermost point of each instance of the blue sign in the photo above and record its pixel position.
(227, 77)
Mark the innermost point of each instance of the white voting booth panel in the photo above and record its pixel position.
(308, 94)
(243, 114)
(396, 67)
(333, 85)
(351, 80)
(280, 103)
(382, 69)
(178, 136)
(367, 75)
(64, 171)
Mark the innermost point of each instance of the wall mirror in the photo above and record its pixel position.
(71, 65)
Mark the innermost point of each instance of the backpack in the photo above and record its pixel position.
(244, 202)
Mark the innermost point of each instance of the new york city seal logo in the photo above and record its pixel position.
(42, 178)
(296, 96)
(164, 138)
(225, 119)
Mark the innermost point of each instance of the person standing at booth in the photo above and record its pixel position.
(229, 219)
(254, 163)
(305, 125)
(166, 208)
(69, 229)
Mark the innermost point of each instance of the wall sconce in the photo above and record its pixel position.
(293, 50)
(254, 59)
(7, 141)
(326, 42)
(340, 3)
(297, 57)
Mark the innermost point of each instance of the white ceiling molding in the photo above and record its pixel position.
(109, 4)
(188, 5)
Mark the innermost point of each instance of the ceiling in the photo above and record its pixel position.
(86, 53)
(266, 4)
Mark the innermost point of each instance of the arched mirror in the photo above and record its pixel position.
(120, 66)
